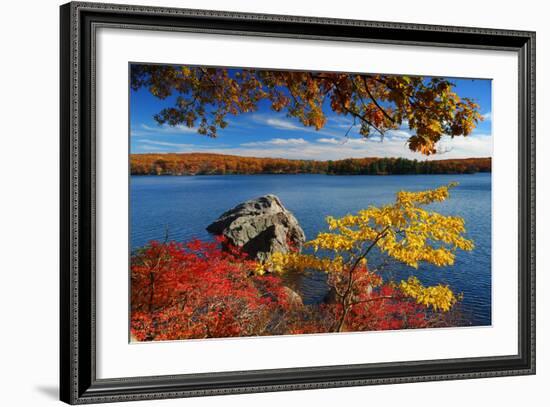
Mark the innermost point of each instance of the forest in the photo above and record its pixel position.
(222, 164)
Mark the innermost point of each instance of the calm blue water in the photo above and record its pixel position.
(184, 206)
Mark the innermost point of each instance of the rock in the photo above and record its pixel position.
(260, 227)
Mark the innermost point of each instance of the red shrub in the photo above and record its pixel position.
(196, 290)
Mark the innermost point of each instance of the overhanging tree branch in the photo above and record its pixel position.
(375, 101)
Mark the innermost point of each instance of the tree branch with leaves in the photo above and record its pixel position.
(205, 97)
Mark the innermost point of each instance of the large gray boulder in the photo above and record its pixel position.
(260, 227)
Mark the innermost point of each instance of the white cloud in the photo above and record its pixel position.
(277, 123)
(331, 140)
(145, 130)
(291, 125)
(334, 149)
(345, 140)
(156, 143)
(476, 145)
(402, 134)
(343, 122)
(283, 124)
(333, 146)
(487, 116)
(277, 142)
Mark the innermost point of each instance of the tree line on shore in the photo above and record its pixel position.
(222, 164)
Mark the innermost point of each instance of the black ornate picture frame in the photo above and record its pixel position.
(79, 383)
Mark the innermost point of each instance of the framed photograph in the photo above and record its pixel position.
(254, 203)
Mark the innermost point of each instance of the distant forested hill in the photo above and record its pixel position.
(221, 164)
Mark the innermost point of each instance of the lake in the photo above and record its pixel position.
(182, 207)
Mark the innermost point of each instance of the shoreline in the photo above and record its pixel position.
(306, 173)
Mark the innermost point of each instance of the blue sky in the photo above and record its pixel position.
(266, 133)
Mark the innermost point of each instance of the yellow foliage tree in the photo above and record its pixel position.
(405, 231)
